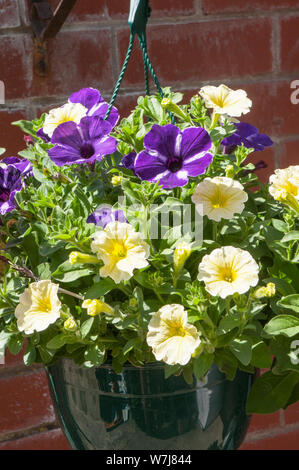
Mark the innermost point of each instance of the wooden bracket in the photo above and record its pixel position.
(46, 25)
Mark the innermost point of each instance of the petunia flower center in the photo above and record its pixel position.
(119, 250)
(4, 195)
(86, 150)
(227, 274)
(218, 199)
(44, 305)
(174, 164)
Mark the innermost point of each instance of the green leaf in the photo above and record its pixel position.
(224, 340)
(86, 326)
(4, 339)
(261, 356)
(57, 342)
(291, 302)
(270, 392)
(286, 325)
(294, 396)
(131, 344)
(29, 355)
(25, 126)
(170, 370)
(286, 353)
(100, 288)
(95, 355)
(202, 365)
(226, 362)
(15, 344)
(67, 272)
(241, 348)
(291, 236)
(45, 354)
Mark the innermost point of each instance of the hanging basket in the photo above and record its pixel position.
(141, 410)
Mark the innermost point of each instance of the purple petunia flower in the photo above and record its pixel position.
(12, 169)
(104, 214)
(171, 156)
(249, 136)
(128, 161)
(82, 143)
(40, 133)
(95, 103)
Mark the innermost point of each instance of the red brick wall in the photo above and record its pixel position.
(253, 44)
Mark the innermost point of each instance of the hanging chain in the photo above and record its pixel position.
(138, 27)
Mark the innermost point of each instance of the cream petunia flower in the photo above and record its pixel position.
(39, 307)
(172, 339)
(220, 197)
(227, 271)
(69, 112)
(121, 249)
(285, 180)
(223, 100)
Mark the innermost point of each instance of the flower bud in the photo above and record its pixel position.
(116, 180)
(265, 291)
(133, 302)
(95, 307)
(181, 254)
(229, 171)
(70, 324)
(174, 108)
(77, 257)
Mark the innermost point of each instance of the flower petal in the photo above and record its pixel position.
(162, 139)
(194, 141)
(67, 134)
(88, 97)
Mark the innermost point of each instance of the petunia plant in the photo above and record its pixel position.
(151, 238)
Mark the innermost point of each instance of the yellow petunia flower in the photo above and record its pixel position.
(227, 271)
(121, 249)
(39, 307)
(220, 197)
(223, 100)
(95, 307)
(284, 186)
(69, 112)
(172, 339)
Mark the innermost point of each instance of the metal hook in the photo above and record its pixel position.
(138, 16)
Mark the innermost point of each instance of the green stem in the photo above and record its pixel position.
(214, 231)
(159, 297)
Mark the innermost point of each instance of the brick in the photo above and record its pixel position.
(14, 360)
(263, 422)
(289, 153)
(289, 44)
(291, 414)
(25, 402)
(186, 53)
(50, 440)
(77, 60)
(84, 11)
(229, 6)
(170, 8)
(272, 110)
(15, 65)
(9, 14)
(285, 441)
(11, 137)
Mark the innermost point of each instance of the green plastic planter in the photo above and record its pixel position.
(140, 410)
